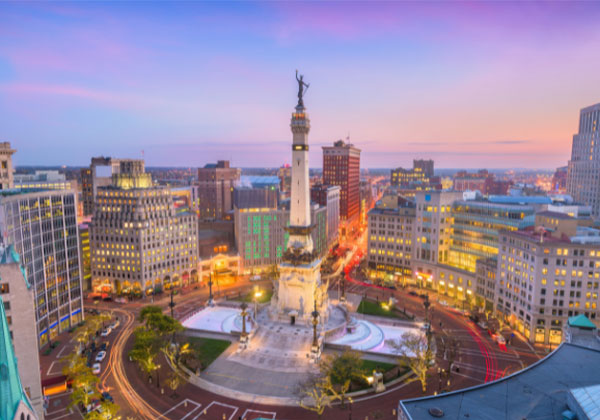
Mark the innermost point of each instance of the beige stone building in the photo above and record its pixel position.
(6, 166)
(17, 295)
(139, 243)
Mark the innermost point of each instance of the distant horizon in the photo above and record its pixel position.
(468, 84)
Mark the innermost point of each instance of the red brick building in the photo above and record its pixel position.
(341, 167)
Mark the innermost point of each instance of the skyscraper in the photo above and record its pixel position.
(42, 227)
(341, 166)
(215, 189)
(583, 182)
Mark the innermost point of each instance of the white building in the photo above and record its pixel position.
(138, 240)
(546, 275)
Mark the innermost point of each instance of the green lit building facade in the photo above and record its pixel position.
(261, 237)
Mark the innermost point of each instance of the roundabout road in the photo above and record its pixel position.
(479, 360)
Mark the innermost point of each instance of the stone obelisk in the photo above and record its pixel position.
(299, 288)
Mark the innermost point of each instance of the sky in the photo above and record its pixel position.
(471, 85)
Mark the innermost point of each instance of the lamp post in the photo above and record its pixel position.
(257, 295)
(210, 295)
(157, 378)
(244, 335)
(315, 322)
(343, 298)
(172, 304)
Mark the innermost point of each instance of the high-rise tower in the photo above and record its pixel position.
(583, 183)
(299, 289)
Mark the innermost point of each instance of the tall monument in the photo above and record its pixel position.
(299, 290)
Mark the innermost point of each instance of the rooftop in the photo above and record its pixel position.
(538, 392)
(555, 215)
(581, 321)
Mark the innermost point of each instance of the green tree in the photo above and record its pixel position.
(415, 352)
(148, 311)
(174, 380)
(342, 369)
(145, 349)
(105, 411)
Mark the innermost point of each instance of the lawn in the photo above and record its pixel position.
(369, 365)
(368, 307)
(264, 298)
(207, 349)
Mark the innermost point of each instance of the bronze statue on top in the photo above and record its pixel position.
(301, 89)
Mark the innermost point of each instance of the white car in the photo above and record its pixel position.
(106, 332)
(255, 278)
(96, 368)
(100, 356)
(500, 339)
(115, 324)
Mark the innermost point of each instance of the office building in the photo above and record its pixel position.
(186, 198)
(559, 180)
(14, 402)
(47, 180)
(17, 294)
(6, 166)
(216, 182)
(465, 181)
(547, 274)
(390, 237)
(85, 256)
(261, 236)
(256, 192)
(583, 183)
(42, 227)
(139, 243)
(98, 174)
(329, 197)
(341, 167)
(421, 172)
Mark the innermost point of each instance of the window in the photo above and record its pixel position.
(3, 288)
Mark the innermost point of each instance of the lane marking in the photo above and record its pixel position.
(270, 413)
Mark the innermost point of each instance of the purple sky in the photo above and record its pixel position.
(467, 84)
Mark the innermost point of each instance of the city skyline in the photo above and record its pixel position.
(196, 82)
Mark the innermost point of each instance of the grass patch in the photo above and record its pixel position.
(367, 307)
(206, 350)
(369, 365)
(264, 298)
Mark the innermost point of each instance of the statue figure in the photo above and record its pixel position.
(301, 90)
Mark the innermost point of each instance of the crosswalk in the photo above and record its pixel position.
(189, 409)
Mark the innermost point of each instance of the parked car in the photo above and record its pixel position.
(106, 332)
(104, 346)
(107, 397)
(413, 293)
(483, 324)
(100, 356)
(115, 324)
(255, 278)
(500, 339)
(96, 369)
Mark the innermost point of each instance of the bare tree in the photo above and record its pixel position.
(415, 352)
(316, 394)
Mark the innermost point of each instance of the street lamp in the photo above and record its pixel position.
(244, 314)
(257, 295)
(343, 298)
(210, 295)
(315, 322)
(157, 378)
(172, 304)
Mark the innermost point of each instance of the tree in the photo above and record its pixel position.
(342, 369)
(149, 311)
(173, 381)
(145, 350)
(162, 324)
(105, 411)
(315, 394)
(84, 388)
(415, 352)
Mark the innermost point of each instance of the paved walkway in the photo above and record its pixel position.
(274, 364)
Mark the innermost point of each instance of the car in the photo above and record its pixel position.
(115, 324)
(413, 293)
(255, 278)
(424, 296)
(106, 332)
(96, 368)
(104, 346)
(100, 356)
(443, 302)
(500, 339)
(483, 324)
(107, 397)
